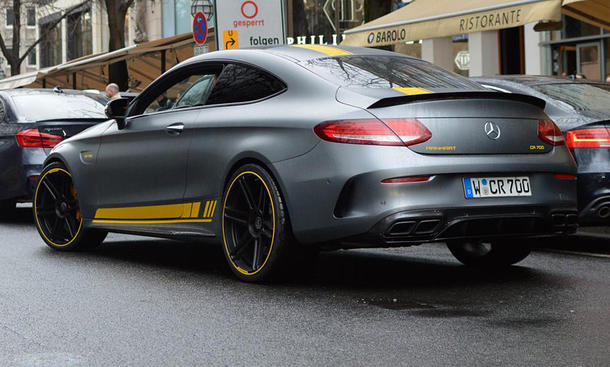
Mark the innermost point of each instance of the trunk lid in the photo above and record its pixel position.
(65, 128)
(464, 122)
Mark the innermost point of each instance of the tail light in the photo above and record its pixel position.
(374, 132)
(550, 133)
(33, 138)
(588, 138)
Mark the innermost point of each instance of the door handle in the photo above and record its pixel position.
(175, 129)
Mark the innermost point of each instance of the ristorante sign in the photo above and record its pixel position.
(425, 19)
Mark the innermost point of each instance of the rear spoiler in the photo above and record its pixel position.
(398, 100)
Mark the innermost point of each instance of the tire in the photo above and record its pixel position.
(7, 209)
(489, 254)
(57, 214)
(255, 225)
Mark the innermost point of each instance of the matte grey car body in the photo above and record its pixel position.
(333, 192)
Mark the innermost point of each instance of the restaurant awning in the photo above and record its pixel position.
(596, 12)
(145, 61)
(425, 19)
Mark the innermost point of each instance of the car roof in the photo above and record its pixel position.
(295, 53)
(23, 91)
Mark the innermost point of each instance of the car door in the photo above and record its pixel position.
(230, 117)
(144, 164)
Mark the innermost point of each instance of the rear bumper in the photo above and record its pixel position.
(594, 198)
(19, 170)
(415, 227)
(335, 194)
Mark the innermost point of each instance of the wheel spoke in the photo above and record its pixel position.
(55, 226)
(51, 189)
(261, 199)
(45, 212)
(241, 247)
(237, 216)
(256, 255)
(69, 227)
(246, 192)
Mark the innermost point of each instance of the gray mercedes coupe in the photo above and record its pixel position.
(273, 152)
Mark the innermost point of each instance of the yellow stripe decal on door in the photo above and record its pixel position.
(207, 207)
(195, 210)
(413, 91)
(210, 206)
(326, 50)
(151, 214)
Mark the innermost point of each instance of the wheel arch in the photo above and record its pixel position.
(255, 158)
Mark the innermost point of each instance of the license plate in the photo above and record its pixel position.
(496, 187)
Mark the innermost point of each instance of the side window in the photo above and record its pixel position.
(189, 92)
(240, 83)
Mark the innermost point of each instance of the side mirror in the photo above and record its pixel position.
(117, 109)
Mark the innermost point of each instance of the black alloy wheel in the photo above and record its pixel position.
(249, 222)
(56, 208)
(255, 228)
(57, 212)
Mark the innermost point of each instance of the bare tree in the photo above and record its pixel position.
(13, 55)
(117, 10)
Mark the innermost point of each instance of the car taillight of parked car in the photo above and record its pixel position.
(394, 132)
(588, 138)
(33, 138)
(549, 133)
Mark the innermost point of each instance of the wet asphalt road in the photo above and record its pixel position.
(141, 302)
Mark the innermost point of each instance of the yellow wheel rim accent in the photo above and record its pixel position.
(80, 225)
(224, 239)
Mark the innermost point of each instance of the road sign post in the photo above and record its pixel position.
(200, 33)
(249, 23)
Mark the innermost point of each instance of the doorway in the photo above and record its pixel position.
(512, 54)
(588, 60)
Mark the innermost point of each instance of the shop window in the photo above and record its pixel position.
(313, 21)
(573, 28)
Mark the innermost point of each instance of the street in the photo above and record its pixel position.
(140, 302)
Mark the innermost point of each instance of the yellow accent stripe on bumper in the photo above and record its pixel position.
(413, 91)
(326, 50)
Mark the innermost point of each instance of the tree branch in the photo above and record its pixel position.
(50, 27)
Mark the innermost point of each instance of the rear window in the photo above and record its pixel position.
(47, 106)
(241, 83)
(387, 72)
(582, 97)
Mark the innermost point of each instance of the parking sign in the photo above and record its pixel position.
(250, 23)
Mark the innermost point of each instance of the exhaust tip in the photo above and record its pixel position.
(603, 211)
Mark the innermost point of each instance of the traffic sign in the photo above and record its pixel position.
(200, 28)
(231, 39)
(250, 23)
